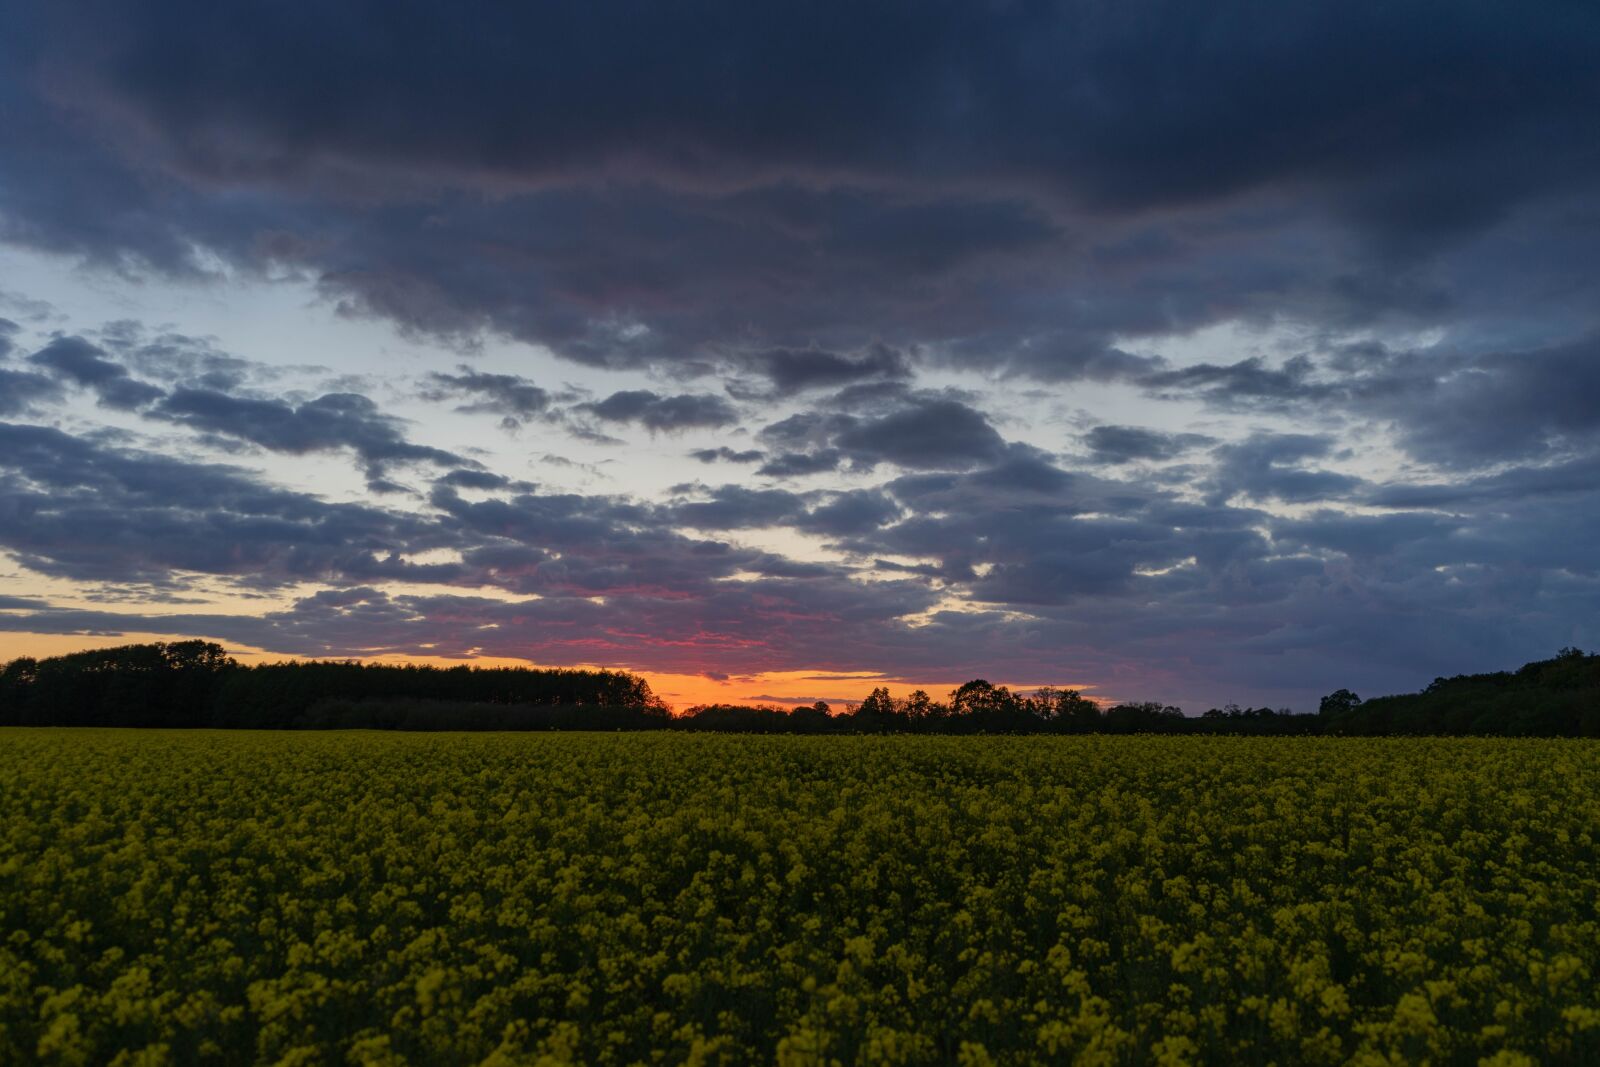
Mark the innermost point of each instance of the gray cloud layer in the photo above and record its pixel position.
(803, 219)
(793, 193)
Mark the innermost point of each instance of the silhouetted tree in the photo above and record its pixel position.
(808, 719)
(920, 710)
(877, 713)
(1071, 711)
(972, 697)
(1338, 702)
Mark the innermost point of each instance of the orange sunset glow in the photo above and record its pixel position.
(680, 691)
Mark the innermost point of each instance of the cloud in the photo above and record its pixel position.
(1247, 382)
(474, 479)
(181, 359)
(921, 431)
(939, 190)
(75, 509)
(331, 422)
(1445, 406)
(1127, 91)
(1175, 598)
(854, 512)
(77, 361)
(732, 507)
(1520, 483)
(1504, 406)
(807, 429)
(1126, 444)
(1370, 536)
(514, 397)
(22, 391)
(934, 435)
(793, 371)
(664, 413)
(25, 306)
(726, 455)
(799, 464)
(1268, 467)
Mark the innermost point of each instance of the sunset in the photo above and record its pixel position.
(1203, 396)
(1042, 345)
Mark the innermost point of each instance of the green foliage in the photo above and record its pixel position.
(303, 898)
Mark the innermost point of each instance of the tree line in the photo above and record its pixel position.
(982, 707)
(197, 684)
(1558, 697)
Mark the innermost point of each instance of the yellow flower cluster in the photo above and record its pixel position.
(299, 898)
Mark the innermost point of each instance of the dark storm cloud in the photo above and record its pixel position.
(627, 276)
(1125, 444)
(793, 371)
(1033, 188)
(331, 422)
(668, 414)
(807, 429)
(798, 464)
(733, 507)
(77, 361)
(1152, 102)
(921, 431)
(854, 512)
(935, 435)
(726, 455)
(474, 479)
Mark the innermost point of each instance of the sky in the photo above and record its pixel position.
(1170, 351)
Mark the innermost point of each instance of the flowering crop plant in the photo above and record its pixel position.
(357, 898)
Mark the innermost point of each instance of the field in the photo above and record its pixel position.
(300, 898)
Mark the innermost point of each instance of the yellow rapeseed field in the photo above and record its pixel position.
(357, 898)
